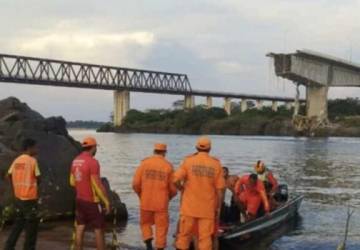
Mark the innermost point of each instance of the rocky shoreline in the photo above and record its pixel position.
(57, 149)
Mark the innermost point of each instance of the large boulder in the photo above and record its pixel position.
(57, 149)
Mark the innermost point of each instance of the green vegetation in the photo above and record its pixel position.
(252, 122)
(172, 121)
(344, 107)
(201, 120)
(85, 124)
(344, 114)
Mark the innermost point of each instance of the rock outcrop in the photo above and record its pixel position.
(57, 149)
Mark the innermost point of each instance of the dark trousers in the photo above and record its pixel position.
(230, 214)
(25, 218)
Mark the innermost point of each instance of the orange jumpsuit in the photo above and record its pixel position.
(203, 178)
(153, 184)
(273, 181)
(251, 197)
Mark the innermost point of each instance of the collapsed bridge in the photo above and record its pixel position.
(317, 72)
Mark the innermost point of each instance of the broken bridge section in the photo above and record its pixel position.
(317, 72)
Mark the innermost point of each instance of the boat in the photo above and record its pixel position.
(235, 235)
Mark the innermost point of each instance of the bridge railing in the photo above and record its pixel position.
(71, 74)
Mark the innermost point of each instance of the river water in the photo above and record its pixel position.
(326, 171)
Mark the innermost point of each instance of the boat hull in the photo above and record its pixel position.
(240, 234)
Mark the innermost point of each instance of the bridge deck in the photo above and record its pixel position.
(48, 72)
(309, 67)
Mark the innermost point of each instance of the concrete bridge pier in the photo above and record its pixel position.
(274, 106)
(209, 102)
(316, 101)
(227, 105)
(243, 105)
(121, 106)
(189, 102)
(259, 104)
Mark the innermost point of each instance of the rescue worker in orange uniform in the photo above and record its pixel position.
(25, 174)
(267, 177)
(200, 177)
(90, 193)
(251, 194)
(152, 182)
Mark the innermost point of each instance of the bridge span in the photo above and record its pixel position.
(317, 72)
(49, 72)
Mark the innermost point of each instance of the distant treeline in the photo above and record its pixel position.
(345, 112)
(85, 124)
(344, 107)
(202, 120)
(216, 121)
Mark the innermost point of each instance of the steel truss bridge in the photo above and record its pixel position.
(41, 71)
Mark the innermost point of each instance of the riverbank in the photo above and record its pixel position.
(57, 149)
(199, 120)
(206, 121)
(59, 236)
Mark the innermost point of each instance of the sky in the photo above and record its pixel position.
(220, 45)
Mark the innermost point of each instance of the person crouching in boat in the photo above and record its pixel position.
(270, 183)
(251, 196)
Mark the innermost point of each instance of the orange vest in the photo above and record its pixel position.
(24, 172)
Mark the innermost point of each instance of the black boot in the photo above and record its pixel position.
(148, 244)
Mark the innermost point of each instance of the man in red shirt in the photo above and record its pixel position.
(250, 193)
(90, 193)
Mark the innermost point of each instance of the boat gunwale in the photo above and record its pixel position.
(255, 223)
